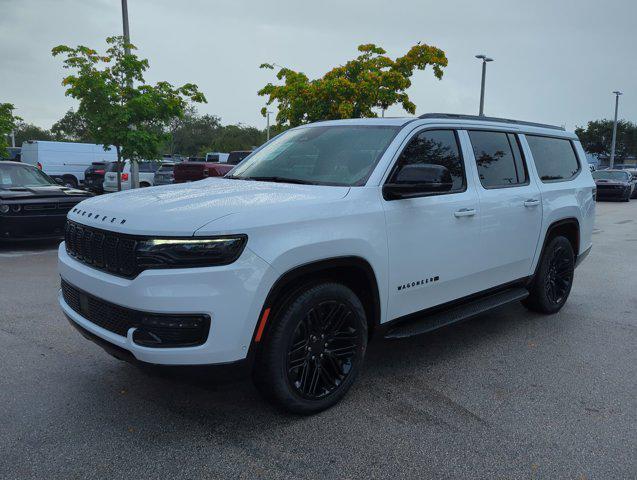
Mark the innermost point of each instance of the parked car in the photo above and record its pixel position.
(614, 184)
(147, 171)
(66, 161)
(32, 204)
(235, 157)
(165, 174)
(217, 157)
(332, 234)
(94, 177)
(191, 171)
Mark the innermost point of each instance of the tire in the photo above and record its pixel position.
(554, 277)
(70, 182)
(144, 185)
(313, 350)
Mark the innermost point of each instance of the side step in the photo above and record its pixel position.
(456, 314)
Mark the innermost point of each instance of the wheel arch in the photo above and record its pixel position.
(568, 227)
(354, 272)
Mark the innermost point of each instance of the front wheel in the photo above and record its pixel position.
(314, 349)
(554, 278)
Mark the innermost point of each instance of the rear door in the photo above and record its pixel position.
(432, 238)
(510, 204)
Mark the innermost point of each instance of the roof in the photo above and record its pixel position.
(454, 116)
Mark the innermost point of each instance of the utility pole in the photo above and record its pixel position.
(484, 59)
(613, 141)
(134, 166)
(267, 116)
(12, 135)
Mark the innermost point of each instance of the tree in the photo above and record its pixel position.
(72, 127)
(7, 124)
(370, 81)
(235, 137)
(192, 132)
(119, 108)
(27, 131)
(597, 138)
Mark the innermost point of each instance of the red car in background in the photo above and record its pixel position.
(196, 168)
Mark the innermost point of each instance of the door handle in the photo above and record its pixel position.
(531, 202)
(464, 212)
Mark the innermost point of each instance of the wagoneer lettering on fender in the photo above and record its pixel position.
(325, 237)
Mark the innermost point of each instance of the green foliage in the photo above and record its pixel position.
(597, 138)
(119, 108)
(190, 134)
(370, 81)
(235, 137)
(28, 131)
(7, 124)
(72, 127)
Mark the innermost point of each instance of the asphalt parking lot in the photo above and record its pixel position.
(507, 395)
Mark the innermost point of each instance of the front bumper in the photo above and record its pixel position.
(31, 227)
(232, 295)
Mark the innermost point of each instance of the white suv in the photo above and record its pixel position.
(325, 237)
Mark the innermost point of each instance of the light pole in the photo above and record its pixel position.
(484, 59)
(134, 166)
(267, 116)
(612, 143)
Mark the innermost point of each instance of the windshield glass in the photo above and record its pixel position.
(610, 175)
(327, 155)
(12, 176)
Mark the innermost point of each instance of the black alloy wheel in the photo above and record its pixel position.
(313, 348)
(553, 278)
(323, 348)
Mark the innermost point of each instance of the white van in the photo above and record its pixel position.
(65, 160)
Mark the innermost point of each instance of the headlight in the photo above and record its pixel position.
(4, 208)
(196, 252)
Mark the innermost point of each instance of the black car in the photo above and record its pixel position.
(236, 156)
(94, 177)
(32, 205)
(617, 184)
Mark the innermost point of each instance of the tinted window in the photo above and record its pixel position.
(499, 159)
(611, 175)
(436, 147)
(554, 158)
(235, 157)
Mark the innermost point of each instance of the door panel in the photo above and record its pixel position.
(510, 205)
(432, 239)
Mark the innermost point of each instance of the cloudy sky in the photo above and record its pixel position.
(556, 61)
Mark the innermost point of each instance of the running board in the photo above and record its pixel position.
(456, 314)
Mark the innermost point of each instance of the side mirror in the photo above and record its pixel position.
(417, 180)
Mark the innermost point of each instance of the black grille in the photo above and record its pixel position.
(108, 251)
(153, 330)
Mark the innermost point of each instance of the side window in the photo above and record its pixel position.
(437, 151)
(499, 159)
(554, 158)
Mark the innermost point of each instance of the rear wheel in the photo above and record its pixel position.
(314, 349)
(69, 181)
(554, 278)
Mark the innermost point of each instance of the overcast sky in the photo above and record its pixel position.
(556, 61)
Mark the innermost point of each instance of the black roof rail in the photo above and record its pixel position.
(455, 116)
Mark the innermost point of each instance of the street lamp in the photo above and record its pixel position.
(267, 116)
(484, 59)
(612, 144)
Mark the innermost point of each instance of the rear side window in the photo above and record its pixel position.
(499, 159)
(554, 158)
(436, 147)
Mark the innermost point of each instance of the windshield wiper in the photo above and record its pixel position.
(277, 179)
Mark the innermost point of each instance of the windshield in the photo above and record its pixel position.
(12, 176)
(327, 155)
(610, 175)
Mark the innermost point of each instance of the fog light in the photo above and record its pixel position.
(164, 331)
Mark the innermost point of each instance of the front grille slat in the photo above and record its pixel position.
(108, 251)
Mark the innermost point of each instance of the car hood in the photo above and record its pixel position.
(52, 191)
(184, 208)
